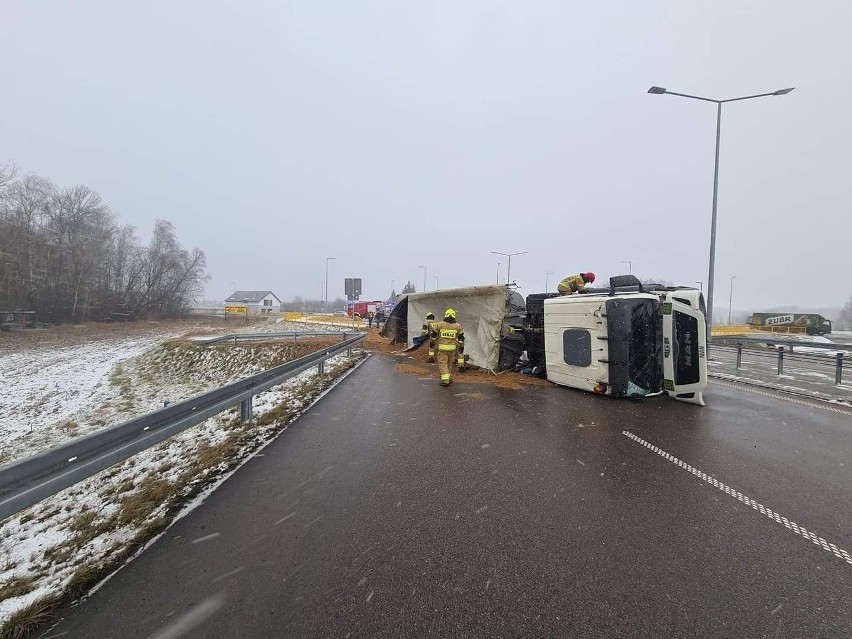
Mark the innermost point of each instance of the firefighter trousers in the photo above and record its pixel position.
(446, 364)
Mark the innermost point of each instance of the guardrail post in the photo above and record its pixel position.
(838, 372)
(780, 360)
(245, 411)
(235, 340)
(739, 355)
(321, 368)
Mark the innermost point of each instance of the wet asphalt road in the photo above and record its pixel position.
(396, 508)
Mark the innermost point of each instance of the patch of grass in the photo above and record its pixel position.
(69, 427)
(8, 564)
(83, 578)
(27, 517)
(59, 554)
(83, 521)
(127, 484)
(153, 492)
(25, 621)
(50, 513)
(16, 586)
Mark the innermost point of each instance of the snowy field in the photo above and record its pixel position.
(69, 384)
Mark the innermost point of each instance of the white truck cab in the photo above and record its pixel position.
(628, 341)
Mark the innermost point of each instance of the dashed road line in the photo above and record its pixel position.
(763, 510)
(781, 395)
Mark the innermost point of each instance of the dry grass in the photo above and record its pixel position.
(69, 427)
(153, 492)
(25, 621)
(17, 586)
(82, 579)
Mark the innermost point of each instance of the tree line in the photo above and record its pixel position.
(65, 255)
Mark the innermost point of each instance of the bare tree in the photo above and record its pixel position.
(64, 255)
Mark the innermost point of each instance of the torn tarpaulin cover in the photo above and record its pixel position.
(481, 310)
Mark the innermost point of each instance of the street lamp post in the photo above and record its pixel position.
(629, 265)
(424, 277)
(509, 266)
(547, 281)
(660, 91)
(325, 303)
(731, 298)
(436, 282)
(498, 271)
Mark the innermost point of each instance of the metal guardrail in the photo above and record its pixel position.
(248, 337)
(781, 354)
(28, 481)
(791, 344)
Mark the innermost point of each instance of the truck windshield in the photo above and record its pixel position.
(635, 346)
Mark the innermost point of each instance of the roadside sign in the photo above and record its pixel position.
(236, 310)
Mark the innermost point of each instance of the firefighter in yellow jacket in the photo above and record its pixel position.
(575, 283)
(449, 335)
(426, 333)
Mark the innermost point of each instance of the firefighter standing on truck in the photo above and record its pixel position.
(426, 333)
(575, 283)
(450, 339)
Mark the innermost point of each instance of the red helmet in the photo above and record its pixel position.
(590, 277)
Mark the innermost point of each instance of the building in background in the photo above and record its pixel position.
(256, 302)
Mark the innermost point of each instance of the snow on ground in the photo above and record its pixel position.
(53, 393)
(49, 384)
(108, 382)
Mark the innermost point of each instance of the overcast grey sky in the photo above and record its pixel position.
(396, 134)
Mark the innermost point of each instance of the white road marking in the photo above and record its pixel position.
(205, 538)
(763, 510)
(579, 462)
(782, 395)
(485, 446)
(481, 510)
(311, 523)
(362, 582)
(370, 596)
(283, 519)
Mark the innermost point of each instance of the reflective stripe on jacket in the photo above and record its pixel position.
(448, 335)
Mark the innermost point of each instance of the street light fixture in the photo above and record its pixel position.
(509, 267)
(731, 298)
(325, 304)
(629, 264)
(424, 277)
(660, 91)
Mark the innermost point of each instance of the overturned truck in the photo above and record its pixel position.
(627, 340)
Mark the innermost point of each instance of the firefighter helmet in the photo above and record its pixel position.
(590, 277)
(450, 313)
(430, 315)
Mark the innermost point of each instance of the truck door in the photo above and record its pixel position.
(684, 351)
